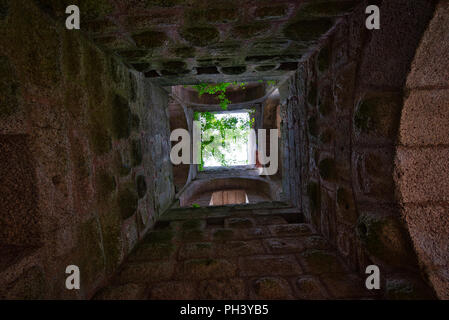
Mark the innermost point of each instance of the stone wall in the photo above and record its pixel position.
(422, 165)
(341, 115)
(79, 136)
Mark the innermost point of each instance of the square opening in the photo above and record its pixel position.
(225, 138)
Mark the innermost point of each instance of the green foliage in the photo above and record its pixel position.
(229, 131)
(219, 88)
(196, 205)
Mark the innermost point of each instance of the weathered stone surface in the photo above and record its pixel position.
(196, 250)
(262, 221)
(146, 272)
(223, 289)
(284, 245)
(238, 248)
(8, 88)
(291, 230)
(320, 261)
(129, 291)
(30, 285)
(272, 288)
(269, 265)
(149, 251)
(239, 223)
(343, 285)
(173, 290)
(208, 269)
(310, 288)
(385, 238)
(405, 288)
(425, 118)
(430, 54)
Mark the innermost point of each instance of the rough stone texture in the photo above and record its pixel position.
(431, 64)
(71, 122)
(421, 159)
(19, 218)
(353, 152)
(189, 35)
(423, 174)
(222, 268)
(85, 150)
(425, 119)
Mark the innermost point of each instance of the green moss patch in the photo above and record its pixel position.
(385, 238)
(380, 115)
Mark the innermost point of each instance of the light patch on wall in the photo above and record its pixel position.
(220, 198)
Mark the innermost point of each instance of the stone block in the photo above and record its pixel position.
(294, 229)
(425, 118)
(285, 245)
(320, 261)
(310, 288)
(272, 288)
(346, 285)
(238, 248)
(222, 289)
(269, 265)
(146, 272)
(207, 269)
(196, 250)
(173, 290)
(423, 173)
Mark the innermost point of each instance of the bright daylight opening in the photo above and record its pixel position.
(224, 138)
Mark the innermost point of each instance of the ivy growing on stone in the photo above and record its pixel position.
(219, 88)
